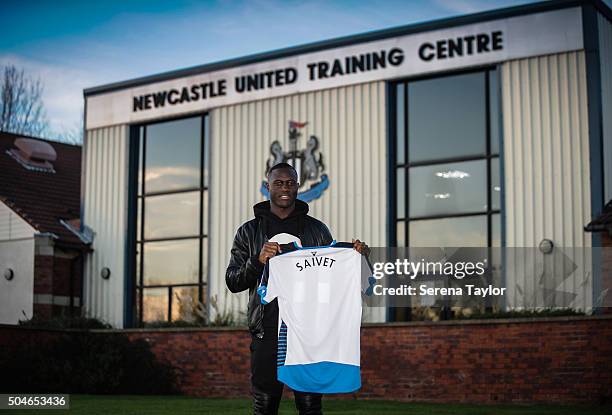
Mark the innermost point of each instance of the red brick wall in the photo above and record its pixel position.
(43, 284)
(61, 271)
(561, 360)
(207, 362)
(43, 274)
(52, 276)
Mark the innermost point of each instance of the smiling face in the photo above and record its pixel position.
(283, 187)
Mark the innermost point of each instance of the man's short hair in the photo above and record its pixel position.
(282, 166)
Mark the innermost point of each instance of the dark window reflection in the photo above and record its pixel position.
(449, 188)
(205, 173)
(496, 254)
(401, 193)
(448, 204)
(447, 117)
(155, 304)
(494, 111)
(170, 215)
(172, 219)
(138, 258)
(138, 218)
(137, 308)
(141, 134)
(205, 212)
(185, 303)
(495, 184)
(172, 156)
(401, 118)
(496, 230)
(468, 231)
(401, 233)
(171, 262)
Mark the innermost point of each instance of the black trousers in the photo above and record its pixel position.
(266, 389)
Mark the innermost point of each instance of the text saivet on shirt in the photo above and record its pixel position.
(319, 302)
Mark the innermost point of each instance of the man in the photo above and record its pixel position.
(280, 220)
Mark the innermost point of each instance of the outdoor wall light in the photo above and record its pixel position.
(105, 273)
(546, 246)
(9, 274)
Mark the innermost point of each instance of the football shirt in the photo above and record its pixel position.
(319, 300)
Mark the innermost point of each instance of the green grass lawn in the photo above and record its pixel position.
(166, 405)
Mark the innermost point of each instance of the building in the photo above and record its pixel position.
(41, 248)
(491, 129)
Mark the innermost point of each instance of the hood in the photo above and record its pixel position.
(262, 210)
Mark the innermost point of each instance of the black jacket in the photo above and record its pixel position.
(244, 269)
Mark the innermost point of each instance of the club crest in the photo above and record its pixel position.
(308, 162)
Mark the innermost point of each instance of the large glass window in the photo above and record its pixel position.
(171, 217)
(447, 167)
(448, 188)
(446, 117)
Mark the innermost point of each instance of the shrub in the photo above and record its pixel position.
(84, 362)
(538, 313)
(65, 322)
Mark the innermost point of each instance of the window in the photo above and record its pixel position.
(447, 166)
(171, 219)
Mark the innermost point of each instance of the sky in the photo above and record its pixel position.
(71, 45)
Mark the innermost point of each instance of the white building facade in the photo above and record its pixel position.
(516, 99)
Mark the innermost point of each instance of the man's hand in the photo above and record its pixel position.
(268, 251)
(361, 247)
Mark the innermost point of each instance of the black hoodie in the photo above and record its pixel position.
(244, 269)
(273, 225)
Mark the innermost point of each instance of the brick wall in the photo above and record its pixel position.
(548, 361)
(52, 276)
(554, 360)
(43, 284)
(560, 360)
(62, 269)
(43, 274)
(207, 362)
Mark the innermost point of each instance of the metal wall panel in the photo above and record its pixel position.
(17, 295)
(12, 226)
(16, 253)
(546, 163)
(605, 62)
(105, 211)
(350, 125)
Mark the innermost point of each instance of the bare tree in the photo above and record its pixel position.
(73, 135)
(21, 106)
